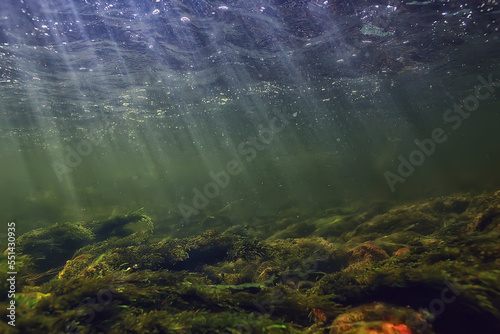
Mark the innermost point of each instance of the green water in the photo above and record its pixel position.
(227, 157)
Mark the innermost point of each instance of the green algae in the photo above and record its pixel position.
(233, 282)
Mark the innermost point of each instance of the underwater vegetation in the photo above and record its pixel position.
(426, 267)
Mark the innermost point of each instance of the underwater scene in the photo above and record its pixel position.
(250, 166)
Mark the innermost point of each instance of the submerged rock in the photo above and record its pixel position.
(379, 318)
(52, 246)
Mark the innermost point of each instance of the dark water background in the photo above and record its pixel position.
(109, 106)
